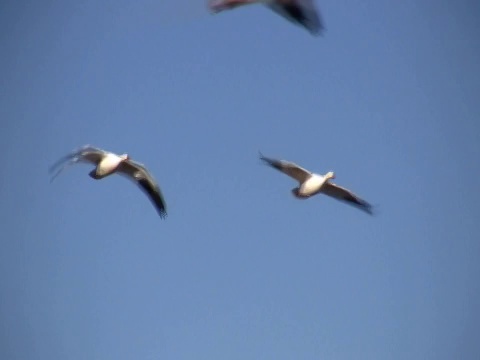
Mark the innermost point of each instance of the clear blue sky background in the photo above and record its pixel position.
(388, 99)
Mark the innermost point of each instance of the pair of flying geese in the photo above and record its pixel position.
(107, 163)
(300, 12)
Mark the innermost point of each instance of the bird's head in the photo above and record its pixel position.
(125, 157)
(330, 175)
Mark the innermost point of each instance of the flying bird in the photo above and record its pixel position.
(107, 163)
(312, 184)
(301, 12)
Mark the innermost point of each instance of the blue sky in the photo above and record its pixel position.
(388, 99)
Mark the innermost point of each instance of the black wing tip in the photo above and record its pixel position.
(359, 203)
(154, 196)
(162, 211)
(268, 161)
(316, 28)
(366, 207)
(263, 157)
(317, 31)
(369, 210)
(276, 164)
(372, 209)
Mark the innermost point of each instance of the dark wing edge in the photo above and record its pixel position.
(276, 164)
(288, 168)
(138, 172)
(155, 196)
(305, 14)
(347, 196)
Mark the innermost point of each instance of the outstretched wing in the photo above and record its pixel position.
(291, 169)
(216, 6)
(346, 196)
(146, 182)
(302, 12)
(86, 153)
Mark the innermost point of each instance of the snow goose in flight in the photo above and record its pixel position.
(108, 163)
(301, 12)
(311, 184)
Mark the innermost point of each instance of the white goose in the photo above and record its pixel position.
(108, 163)
(301, 12)
(311, 184)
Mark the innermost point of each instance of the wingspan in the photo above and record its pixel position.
(291, 169)
(346, 196)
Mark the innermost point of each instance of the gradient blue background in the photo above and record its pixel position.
(388, 99)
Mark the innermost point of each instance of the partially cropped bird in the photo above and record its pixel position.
(108, 163)
(301, 12)
(312, 184)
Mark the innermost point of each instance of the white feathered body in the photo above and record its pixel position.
(108, 165)
(310, 187)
